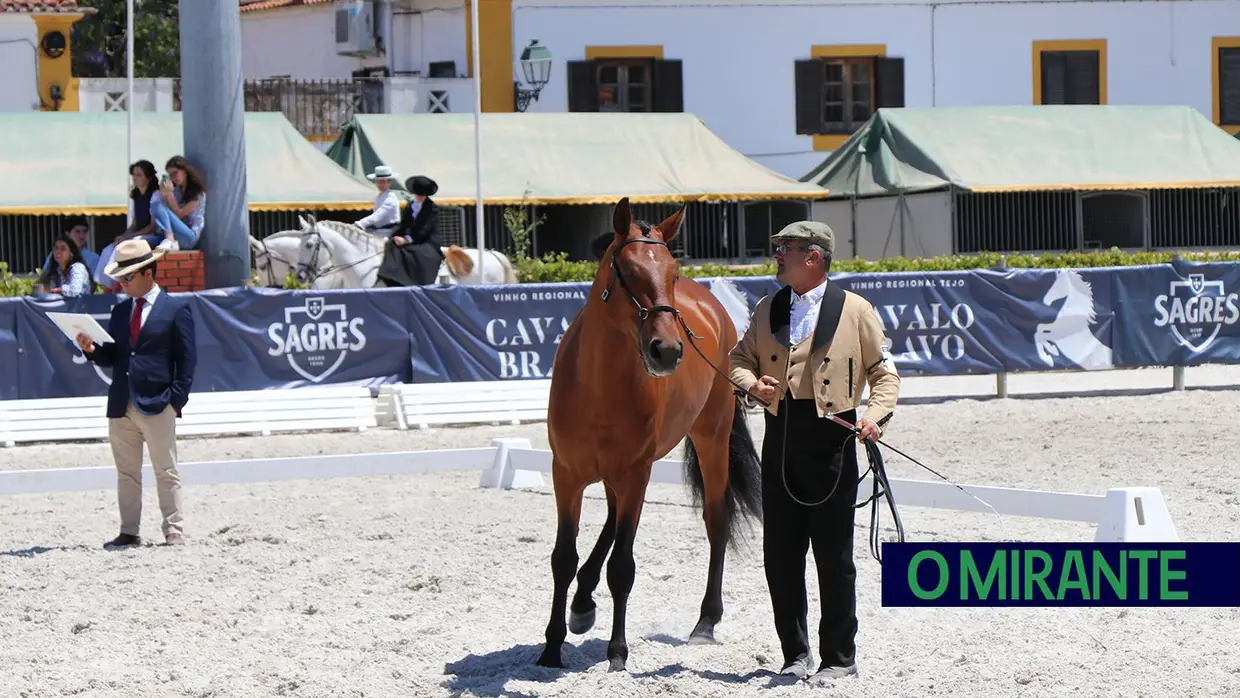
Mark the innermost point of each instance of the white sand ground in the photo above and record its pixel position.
(428, 586)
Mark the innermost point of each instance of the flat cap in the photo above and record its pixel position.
(812, 232)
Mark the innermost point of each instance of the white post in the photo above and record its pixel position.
(480, 220)
(1177, 377)
(129, 96)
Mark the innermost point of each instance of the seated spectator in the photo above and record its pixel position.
(179, 211)
(77, 229)
(68, 275)
(145, 188)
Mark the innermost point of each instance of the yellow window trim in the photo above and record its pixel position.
(593, 52)
(1216, 77)
(494, 52)
(1099, 45)
(833, 141)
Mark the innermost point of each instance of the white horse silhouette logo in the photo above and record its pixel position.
(1069, 334)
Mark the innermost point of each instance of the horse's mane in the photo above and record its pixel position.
(354, 234)
(459, 262)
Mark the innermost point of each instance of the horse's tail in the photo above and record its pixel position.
(744, 492)
(459, 261)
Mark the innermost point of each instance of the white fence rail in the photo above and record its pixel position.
(1131, 514)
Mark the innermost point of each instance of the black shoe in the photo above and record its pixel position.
(124, 540)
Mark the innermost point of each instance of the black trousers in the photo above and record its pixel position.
(814, 458)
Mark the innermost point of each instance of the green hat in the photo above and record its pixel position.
(811, 232)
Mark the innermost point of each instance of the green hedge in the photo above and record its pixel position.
(14, 285)
(557, 268)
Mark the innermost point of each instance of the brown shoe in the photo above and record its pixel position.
(174, 539)
(124, 540)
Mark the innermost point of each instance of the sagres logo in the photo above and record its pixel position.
(1196, 311)
(316, 337)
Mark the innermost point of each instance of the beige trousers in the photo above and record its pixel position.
(159, 432)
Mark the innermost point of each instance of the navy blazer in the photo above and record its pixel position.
(157, 371)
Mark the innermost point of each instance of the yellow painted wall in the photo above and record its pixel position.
(494, 52)
(59, 70)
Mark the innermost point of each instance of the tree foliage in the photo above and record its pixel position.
(99, 40)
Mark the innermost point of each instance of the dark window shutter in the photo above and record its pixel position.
(1054, 89)
(582, 86)
(1229, 86)
(811, 78)
(1082, 77)
(889, 82)
(669, 94)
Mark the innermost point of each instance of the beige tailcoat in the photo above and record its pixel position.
(844, 354)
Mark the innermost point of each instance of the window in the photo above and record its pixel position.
(841, 87)
(624, 84)
(1069, 72)
(625, 79)
(1226, 82)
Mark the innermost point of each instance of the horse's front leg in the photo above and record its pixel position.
(621, 568)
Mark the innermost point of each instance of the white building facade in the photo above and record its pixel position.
(754, 71)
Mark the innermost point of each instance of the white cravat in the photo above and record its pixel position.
(805, 313)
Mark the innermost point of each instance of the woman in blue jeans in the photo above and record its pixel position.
(179, 210)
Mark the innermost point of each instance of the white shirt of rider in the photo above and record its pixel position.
(386, 213)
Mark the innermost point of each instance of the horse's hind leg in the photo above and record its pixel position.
(709, 439)
(581, 619)
(568, 491)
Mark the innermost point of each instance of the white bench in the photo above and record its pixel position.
(467, 402)
(259, 412)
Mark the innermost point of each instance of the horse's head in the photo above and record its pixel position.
(642, 266)
(311, 253)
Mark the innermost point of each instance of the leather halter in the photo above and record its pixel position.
(616, 275)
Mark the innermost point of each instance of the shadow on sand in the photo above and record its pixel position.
(39, 550)
(488, 674)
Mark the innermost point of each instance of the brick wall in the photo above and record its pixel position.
(181, 271)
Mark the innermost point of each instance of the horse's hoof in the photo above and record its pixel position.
(705, 637)
(579, 623)
(703, 633)
(550, 659)
(617, 664)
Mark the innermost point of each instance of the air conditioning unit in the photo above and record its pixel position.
(357, 27)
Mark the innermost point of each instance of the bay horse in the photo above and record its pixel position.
(623, 395)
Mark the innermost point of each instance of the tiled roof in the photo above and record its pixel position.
(39, 6)
(256, 5)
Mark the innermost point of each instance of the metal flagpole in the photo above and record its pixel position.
(480, 220)
(129, 73)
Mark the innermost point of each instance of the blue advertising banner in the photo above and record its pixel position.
(943, 323)
(282, 339)
(8, 349)
(1182, 314)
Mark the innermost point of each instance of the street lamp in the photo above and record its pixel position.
(536, 67)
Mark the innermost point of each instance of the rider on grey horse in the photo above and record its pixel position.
(386, 216)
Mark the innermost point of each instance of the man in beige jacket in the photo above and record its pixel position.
(810, 350)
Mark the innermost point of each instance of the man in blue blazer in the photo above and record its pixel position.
(152, 360)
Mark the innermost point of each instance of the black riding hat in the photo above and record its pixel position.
(422, 186)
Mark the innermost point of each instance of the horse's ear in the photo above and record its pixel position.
(670, 227)
(622, 217)
(598, 247)
(304, 224)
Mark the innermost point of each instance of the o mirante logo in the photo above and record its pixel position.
(1061, 574)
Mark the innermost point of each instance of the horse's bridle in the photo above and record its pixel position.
(312, 269)
(642, 311)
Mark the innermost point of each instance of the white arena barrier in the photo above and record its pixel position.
(423, 405)
(260, 412)
(1123, 514)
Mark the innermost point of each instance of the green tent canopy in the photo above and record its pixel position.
(75, 162)
(563, 158)
(1031, 148)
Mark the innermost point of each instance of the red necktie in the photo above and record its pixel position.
(135, 321)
